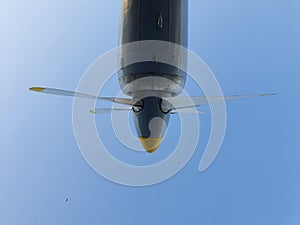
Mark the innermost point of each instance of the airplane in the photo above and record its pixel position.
(161, 20)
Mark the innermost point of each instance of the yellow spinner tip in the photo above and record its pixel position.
(150, 144)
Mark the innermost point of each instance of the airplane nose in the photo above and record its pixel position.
(150, 144)
(150, 123)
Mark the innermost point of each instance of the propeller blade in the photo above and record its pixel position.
(106, 110)
(188, 110)
(54, 91)
(181, 102)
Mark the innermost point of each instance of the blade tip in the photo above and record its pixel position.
(202, 168)
(37, 89)
(269, 94)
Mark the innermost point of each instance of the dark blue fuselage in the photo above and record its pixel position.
(160, 20)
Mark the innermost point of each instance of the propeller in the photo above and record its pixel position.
(54, 91)
(108, 110)
(190, 110)
(183, 102)
(178, 104)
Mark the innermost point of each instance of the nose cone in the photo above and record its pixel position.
(150, 144)
(150, 123)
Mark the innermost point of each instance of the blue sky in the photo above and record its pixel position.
(252, 47)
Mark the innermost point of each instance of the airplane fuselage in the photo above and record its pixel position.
(161, 20)
(151, 81)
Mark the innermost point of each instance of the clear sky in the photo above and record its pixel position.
(252, 47)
